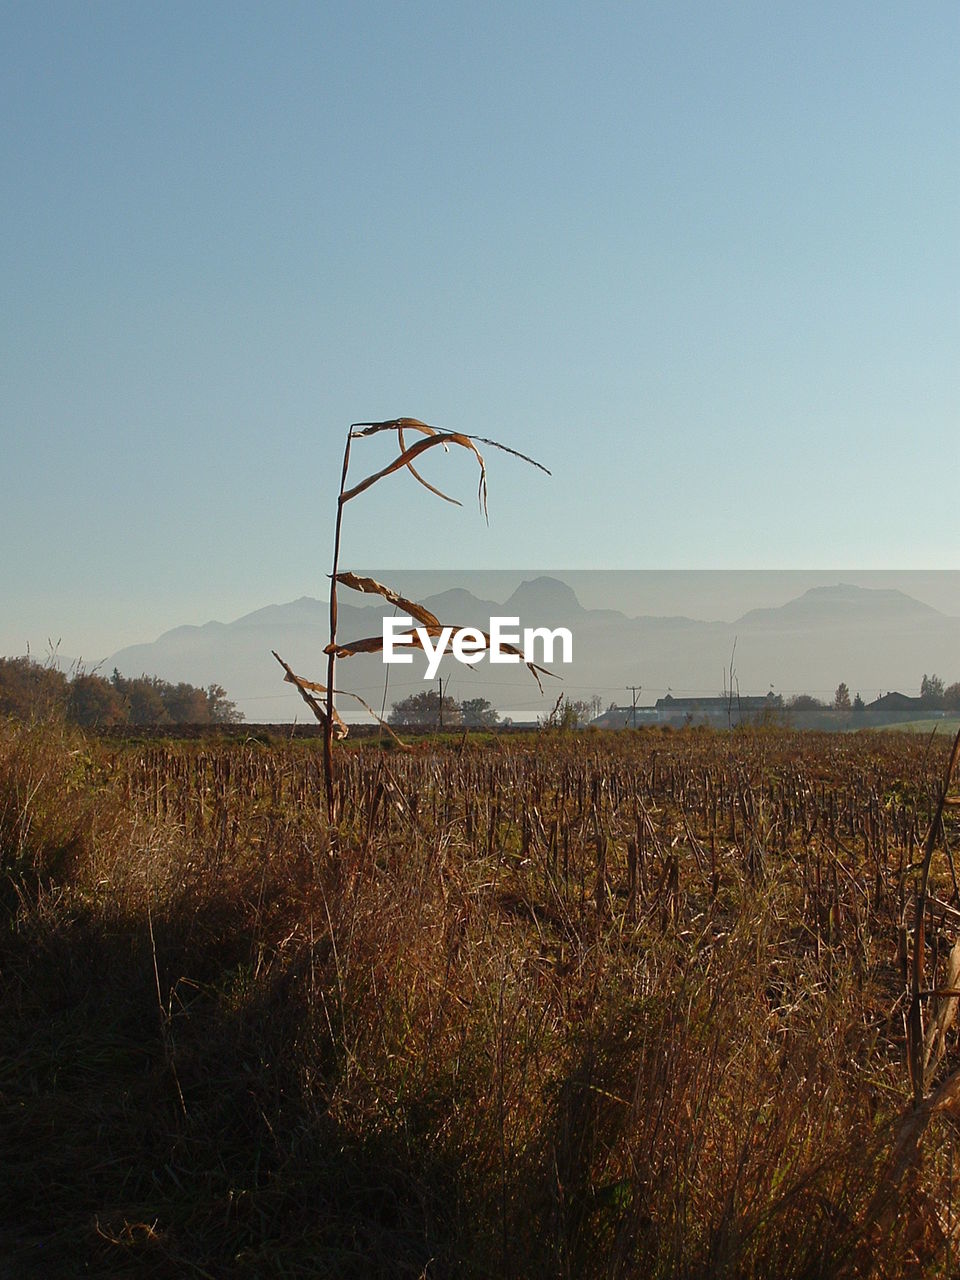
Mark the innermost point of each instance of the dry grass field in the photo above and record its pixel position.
(625, 1005)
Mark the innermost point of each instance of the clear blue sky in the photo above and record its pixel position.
(700, 259)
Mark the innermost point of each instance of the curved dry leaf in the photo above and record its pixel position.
(399, 425)
(414, 424)
(370, 586)
(358, 429)
(416, 474)
(374, 644)
(393, 424)
(414, 451)
(305, 688)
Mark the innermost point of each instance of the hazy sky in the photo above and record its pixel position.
(702, 260)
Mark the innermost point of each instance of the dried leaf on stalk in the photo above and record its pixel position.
(370, 586)
(434, 436)
(414, 451)
(422, 426)
(308, 687)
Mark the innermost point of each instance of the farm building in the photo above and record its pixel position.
(895, 708)
(626, 717)
(677, 711)
(717, 711)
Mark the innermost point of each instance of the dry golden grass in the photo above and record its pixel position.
(612, 1005)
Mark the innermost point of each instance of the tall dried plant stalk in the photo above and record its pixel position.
(432, 437)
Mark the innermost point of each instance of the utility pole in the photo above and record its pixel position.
(635, 690)
(440, 680)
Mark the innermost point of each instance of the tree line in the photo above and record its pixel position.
(30, 689)
(428, 710)
(935, 695)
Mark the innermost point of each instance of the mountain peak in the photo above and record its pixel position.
(544, 596)
(843, 602)
(845, 593)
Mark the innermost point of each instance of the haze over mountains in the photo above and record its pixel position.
(876, 640)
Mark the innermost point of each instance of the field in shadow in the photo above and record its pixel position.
(620, 1006)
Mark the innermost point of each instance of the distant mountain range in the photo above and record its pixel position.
(874, 640)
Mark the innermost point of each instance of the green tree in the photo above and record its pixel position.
(185, 704)
(478, 713)
(150, 700)
(841, 699)
(143, 697)
(951, 697)
(93, 701)
(220, 707)
(804, 702)
(574, 713)
(424, 709)
(30, 690)
(931, 691)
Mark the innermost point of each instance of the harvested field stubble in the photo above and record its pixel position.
(626, 1005)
